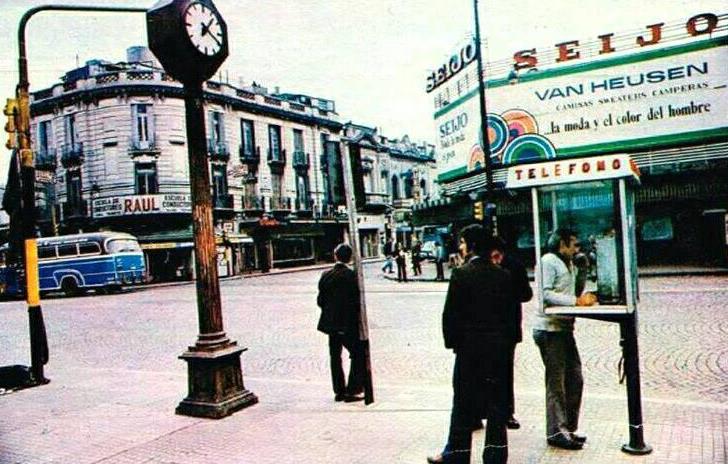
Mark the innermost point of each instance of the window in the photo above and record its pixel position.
(67, 250)
(89, 248)
(247, 135)
(276, 185)
(274, 142)
(44, 136)
(297, 140)
(217, 131)
(395, 188)
(423, 188)
(123, 245)
(73, 187)
(385, 182)
(46, 252)
(70, 128)
(219, 180)
(145, 175)
(141, 115)
(302, 191)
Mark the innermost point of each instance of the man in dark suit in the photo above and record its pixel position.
(522, 292)
(475, 324)
(339, 301)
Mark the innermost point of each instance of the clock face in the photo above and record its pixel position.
(203, 28)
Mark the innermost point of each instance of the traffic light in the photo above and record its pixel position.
(12, 111)
(478, 213)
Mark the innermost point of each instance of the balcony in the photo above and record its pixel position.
(218, 150)
(403, 203)
(143, 147)
(304, 207)
(253, 205)
(76, 209)
(72, 154)
(300, 160)
(280, 203)
(276, 161)
(376, 202)
(249, 157)
(46, 160)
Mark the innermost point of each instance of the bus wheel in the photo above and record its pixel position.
(70, 287)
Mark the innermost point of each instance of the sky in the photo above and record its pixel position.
(371, 57)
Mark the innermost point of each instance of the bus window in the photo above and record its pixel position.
(67, 250)
(122, 246)
(47, 252)
(89, 248)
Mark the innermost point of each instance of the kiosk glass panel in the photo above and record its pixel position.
(591, 210)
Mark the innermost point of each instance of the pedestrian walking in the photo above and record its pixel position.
(440, 258)
(475, 327)
(338, 299)
(522, 292)
(554, 336)
(388, 257)
(416, 258)
(401, 259)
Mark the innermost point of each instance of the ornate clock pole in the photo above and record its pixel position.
(189, 37)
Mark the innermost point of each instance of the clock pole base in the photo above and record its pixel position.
(215, 382)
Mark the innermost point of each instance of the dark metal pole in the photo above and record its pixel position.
(490, 211)
(630, 351)
(354, 242)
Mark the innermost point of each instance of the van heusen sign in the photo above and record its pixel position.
(647, 99)
(132, 205)
(572, 170)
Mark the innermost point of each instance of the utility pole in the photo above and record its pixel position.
(490, 217)
(354, 242)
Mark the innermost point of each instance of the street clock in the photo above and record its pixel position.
(189, 37)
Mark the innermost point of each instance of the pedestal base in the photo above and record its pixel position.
(644, 449)
(215, 383)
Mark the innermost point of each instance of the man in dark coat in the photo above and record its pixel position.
(522, 292)
(475, 324)
(339, 301)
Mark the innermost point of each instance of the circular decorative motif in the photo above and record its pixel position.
(477, 158)
(519, 122)
(497, 133)
(529, 147)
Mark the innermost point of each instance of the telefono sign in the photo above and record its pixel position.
(649, 99)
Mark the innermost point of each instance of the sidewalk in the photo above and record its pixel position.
(127, 416)
(429, 272)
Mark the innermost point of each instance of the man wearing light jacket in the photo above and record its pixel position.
(554, 336)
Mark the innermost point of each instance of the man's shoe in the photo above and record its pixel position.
(513, 423)
(437, 459)
(578, 437)
(353, 398)
(562, 442)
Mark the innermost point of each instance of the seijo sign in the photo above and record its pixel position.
(655, 97)
(133, 205)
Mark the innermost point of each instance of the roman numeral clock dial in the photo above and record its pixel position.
(203, 28)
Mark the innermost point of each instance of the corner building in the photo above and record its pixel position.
(111, 154)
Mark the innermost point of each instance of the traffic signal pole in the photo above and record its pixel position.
(38, 340)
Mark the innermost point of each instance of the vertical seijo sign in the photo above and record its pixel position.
(647, 99)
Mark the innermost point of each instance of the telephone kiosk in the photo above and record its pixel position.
(594, 197)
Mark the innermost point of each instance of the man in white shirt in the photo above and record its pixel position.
(554, 336)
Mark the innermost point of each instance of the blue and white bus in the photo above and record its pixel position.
(76, 263)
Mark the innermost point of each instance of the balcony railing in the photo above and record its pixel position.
(253, 203)
(304, 204)
(143, 147)
(222, 201)
(218, 150)
(46, 160)
(249, 157)
(276, 161)
(377, 198)
(300, 160)
(403, 202)
(72, 154)
(75, 209)
(280, 203)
